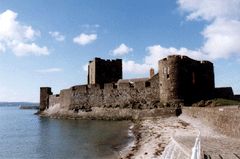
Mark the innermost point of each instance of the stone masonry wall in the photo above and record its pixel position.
(102, 71)
(65, 97)
(139, 95)
(225, 120)
(54, 99)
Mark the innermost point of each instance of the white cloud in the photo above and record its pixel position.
(223, 32)
(122, 49)
(130, 67)
(57, 36)
(21, 49)
(222, 39)
(85, 67)
(87, 26)
(2, 47)
(210, 9)
(156, 53)
(97, 26)
(50, 70)
(84, 39)
(14, 36)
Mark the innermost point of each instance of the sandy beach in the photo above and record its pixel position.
(153, 135)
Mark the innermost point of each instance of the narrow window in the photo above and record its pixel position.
(167, 70)
(147, 84)
(164, 71)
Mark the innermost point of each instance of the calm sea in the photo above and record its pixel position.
(25, 135)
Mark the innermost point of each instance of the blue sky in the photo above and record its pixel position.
(49, 43)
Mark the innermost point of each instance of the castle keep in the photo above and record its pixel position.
(180, 80)
(101, 71)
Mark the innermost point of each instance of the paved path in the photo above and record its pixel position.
(213, 147)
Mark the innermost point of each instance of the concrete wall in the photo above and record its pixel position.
(224, 120)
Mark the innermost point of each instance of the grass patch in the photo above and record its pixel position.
(223, 102)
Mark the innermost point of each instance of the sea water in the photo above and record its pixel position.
(25, 135)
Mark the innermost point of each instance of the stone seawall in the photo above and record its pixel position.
(108, 113)
(224, 120)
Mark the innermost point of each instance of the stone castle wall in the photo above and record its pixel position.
(138, 95)
(54, 99)
(224, 92)
(185, 80)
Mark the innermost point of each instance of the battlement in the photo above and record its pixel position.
(206, 62)
(103, 60)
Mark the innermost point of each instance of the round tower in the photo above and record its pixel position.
(169, 79)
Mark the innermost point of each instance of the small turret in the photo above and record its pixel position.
(151, 72)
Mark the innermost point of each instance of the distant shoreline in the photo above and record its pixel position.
(28, 107)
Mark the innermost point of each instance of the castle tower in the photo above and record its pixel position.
(169, 71)
(44, 97)
(183, 79)
(104, 71)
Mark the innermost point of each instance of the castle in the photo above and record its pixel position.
(180, 80)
